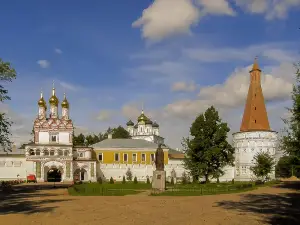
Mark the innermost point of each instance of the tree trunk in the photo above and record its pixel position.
(218, 181)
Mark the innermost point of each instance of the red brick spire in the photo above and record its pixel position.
(255, 114)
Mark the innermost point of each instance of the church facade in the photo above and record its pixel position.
(53, 150)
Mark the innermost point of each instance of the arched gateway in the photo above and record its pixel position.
(53, 171)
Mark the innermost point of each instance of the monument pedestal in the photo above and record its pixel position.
(159, 180)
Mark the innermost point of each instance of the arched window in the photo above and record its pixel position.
(60, 152)
(31, 152)
(46, 152)
(66, 153)
(52, 152)
(81, 154)
(37, 152)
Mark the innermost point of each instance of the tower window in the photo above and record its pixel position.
(254, 121)
(254, 95)
(254, 108)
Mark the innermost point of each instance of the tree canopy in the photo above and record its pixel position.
(290, 141)
(118, 132)
(7, 74)
(263, 165)
(207, 151)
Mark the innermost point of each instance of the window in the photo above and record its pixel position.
(46, 152)
(254, 108)
(152, 157)
(116, 157)
(143, 157)
(54, 138)
(52, 152)
(60, 152)
(38, 152)
(31, 152)
(254, 121)
(134, 159)
(244, 169)
(80, 154)
(66, 153)
(125, 157)
(100, 157)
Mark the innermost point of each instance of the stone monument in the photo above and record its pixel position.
(159, 175)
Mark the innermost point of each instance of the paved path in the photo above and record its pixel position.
(48, 206)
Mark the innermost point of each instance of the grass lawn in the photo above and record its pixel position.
(107, 189)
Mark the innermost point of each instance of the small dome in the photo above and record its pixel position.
(130, 123)
(155, 125)
(149, 122)
(65, 103)
(42, 102)
(142, 117)
(53, 99)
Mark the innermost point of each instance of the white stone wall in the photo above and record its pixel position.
(247, 145)
(11, 167)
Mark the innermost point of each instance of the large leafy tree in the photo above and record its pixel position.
(263, 165)
(118, 132)
(7, 74)
(290, 141)
(285, 167)
(207, 150)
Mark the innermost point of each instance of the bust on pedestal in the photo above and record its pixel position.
(159, 175)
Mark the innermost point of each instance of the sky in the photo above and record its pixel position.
(174, 58)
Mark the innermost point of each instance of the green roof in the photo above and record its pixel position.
(125, 143)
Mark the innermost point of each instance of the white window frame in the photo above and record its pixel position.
(118, 157)
(135, 157)
(101, 153)
(142, 157)
(124, 157)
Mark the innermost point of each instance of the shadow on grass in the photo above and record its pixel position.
(27, 199)
(277, 209)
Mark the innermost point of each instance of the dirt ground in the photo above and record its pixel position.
(268, 205)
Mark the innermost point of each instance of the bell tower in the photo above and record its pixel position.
(255, 116)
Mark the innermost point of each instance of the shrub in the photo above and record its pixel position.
(185, 178)
(172, 180)
(232, 181)
(124, 180)
(135, 181)
(148, 180)
(129, 175)
(99, 180)
(111, 180)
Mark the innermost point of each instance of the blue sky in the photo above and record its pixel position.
(180, 58)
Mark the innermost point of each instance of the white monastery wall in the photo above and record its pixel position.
(11, 167)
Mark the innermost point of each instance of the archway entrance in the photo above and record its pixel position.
(54, 175)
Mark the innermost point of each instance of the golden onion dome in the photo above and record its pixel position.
(53, 99)
(65, 103)
(142, 117)
(42, 102)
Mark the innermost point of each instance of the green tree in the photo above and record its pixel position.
(135, 181)
(285, 167)
(120, 132)
(263, 165)
(79, 140)
(148, 180)
(7, 74)
(290, 141)
(185, 178)
(129, 175)
(207, 151)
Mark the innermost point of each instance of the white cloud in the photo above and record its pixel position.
(104, 115)
(43, 63)
(232, 93)
(183, 86)
(164, 18)
(58, 51)
(273, 9)
(68, 86)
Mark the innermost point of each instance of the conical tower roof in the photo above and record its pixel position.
(255, 116)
